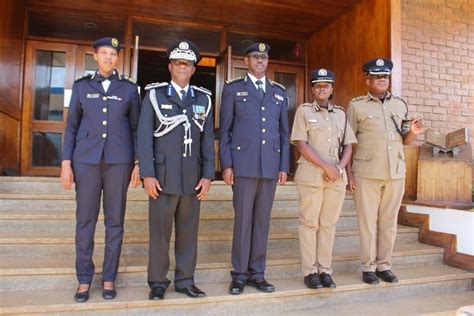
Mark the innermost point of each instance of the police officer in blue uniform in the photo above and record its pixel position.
(98, 155)
(176, 154)
(254, 154)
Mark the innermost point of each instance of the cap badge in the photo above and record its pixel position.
(322, 72)
(261, 47)
(183, 45)
(114, 42)
(380, 62)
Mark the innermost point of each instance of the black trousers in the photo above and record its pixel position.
(93, 180)
(253, 200)
(184, 210)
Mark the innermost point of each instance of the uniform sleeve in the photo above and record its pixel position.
(349, 137)
(284, 139)
(226, 122)
(134, 116)
(299, 131)
(352, 118)
(207, 147)
(145, 138)
(73, 122)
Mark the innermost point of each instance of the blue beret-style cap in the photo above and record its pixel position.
(378, 66)
(257, 47)
(322, 75)
(108, 41)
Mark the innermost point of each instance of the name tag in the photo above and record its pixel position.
(313, 120)
(166, 106)
(279, 97)
(93, 95)
(242, 94)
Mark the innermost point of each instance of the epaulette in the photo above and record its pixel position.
(203, 90)
(123, 77)
(277, 84)
(359, 98)
(84, 77)
(234, 80)
(156, 85)
(399, 98)
(339, 108)
(306, 104)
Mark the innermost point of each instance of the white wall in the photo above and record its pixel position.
(459, 223)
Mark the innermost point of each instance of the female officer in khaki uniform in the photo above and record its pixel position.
(324, 138)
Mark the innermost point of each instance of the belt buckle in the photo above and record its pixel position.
(391, 136)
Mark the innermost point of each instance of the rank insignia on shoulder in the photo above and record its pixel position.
(156, 85)
(93, 96)
(242, 93)
(123, 77)
(201, 89)
(279, 97)
(84, 76)
(339, 108)
(277, 84)
(359, 98)
(234, 80)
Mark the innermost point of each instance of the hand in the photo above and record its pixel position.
(416, 126)
(203, 185)
(228, 175)
(350, 182)
(135, 180)
(332, 174)
(282, 176)
(67, 175)
(152, 186)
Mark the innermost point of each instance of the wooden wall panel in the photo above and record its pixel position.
(412, 154)
(347, 43)
(12, 16)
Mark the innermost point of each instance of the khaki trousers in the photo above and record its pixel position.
(377, 204)
(320, 207)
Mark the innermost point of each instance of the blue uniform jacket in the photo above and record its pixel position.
(165, 157)
(102, 124)
(254, 137)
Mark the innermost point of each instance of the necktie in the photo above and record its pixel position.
(183, 94)
(260, 91)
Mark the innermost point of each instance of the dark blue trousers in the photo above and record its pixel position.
(253, 200)
(93, 181)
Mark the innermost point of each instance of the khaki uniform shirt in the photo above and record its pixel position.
(323, 130)
(379, 152)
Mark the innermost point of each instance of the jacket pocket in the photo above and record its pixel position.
(81, 135)
(240, 145)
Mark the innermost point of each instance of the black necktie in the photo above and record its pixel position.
(260, 91)
(183, 94)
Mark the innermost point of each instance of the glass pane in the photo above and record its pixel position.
(47, 149)
(161, 36)
(50, 77)
(239, 72)
(90, 65)
(280, 49)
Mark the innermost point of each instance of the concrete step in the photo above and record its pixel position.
(290, 294)
(57, 272)
(136, 244)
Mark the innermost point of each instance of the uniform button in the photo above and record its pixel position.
(104, 135)
(245, 100)
(384, 107)
(184, 155)
(386, 117)
(104, 110)
(329, 127)
(388, 128)
(389, 147)
(104, 98)
(263, 119)
(278, 150)
(329, 139)
(263, 142)
(263, 108)
(314, 127)
(184, 111)
(263, 130)
(276, 102)
(104, 122)
(166, 115)
(327, 118)
(238, 147)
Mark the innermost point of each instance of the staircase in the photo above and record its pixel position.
(37, 221)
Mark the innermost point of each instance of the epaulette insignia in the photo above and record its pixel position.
(203, 90)
(123, 77)
(156, 85)
(84, 77)
(277, 84)
(339, 108)
(399, 98)
(359, 98)
(234, 80)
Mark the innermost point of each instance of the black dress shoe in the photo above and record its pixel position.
(387, 276)
(191, 291)
(370, 278)
(236, 287)
(327, 281)
(108, 294)
(157, 293)
(261, 285)
(82, 297)
(312, 281)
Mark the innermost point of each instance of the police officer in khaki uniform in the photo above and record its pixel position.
(377, 174)
(324, 138)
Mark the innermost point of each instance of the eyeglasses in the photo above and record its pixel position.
(182, 62)
(258, 56)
